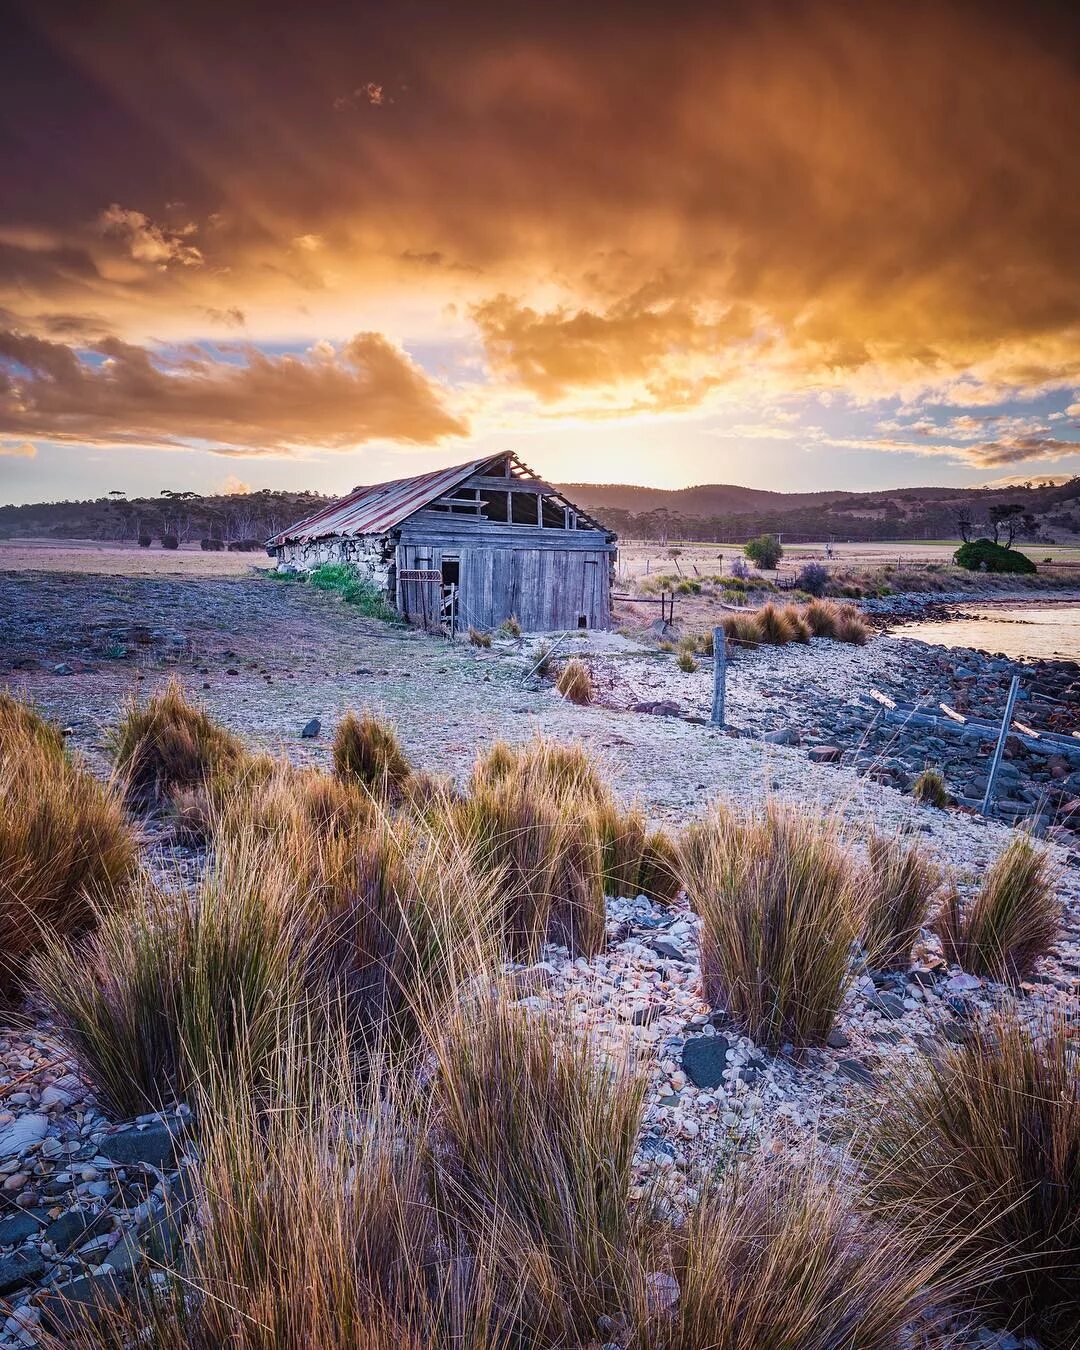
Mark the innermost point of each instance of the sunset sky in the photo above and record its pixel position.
(789, 245)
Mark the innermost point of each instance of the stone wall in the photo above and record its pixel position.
(371, 554)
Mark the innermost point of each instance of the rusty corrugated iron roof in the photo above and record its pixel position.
(376, 509)
(373, 510)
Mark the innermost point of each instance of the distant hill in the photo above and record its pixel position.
(728, 512)
(721, 511)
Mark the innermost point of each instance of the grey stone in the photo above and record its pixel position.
(704, 1059)
(858, 1073)
(825, 754)
(21, 1268)
(18, 1226)
(837, 1039)
(66, 1307)
(668, 951)
(75, 1227)
(889, 1005)
(784, 736)
(155, 1145)
(311, 729)
(63, 669)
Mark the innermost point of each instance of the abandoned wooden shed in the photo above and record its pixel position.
(471, 545)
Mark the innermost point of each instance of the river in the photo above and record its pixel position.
(1037, 629)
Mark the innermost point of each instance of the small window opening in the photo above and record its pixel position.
(496, 505)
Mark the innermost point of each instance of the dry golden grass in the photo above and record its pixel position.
(169, 743)
(548, 864)
(1014, 919)
(902, 881)
(575, 682)
(983, 1145)
(367, 751)
(780, 903)
(478, 638)
(66, 846)
(171, 988)
(538, 1137)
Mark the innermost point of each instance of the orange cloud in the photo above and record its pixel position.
(335, 398)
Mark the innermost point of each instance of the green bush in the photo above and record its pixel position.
(764, 551)
(354, 588)
(997, 558)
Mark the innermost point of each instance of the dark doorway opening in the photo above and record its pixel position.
(451, 571)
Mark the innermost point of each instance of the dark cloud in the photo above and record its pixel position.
(641, 202)
(122, 394)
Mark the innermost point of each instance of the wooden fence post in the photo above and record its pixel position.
(719, 688)
(1006, 722)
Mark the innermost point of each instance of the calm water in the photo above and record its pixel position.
(1025, 630)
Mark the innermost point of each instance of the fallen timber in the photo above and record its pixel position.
(981, 728)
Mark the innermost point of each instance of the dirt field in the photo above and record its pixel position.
(638, 558)
(107, 558)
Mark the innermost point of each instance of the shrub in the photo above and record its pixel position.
(686, 663)
(764, 552)
(66, 848)
(983, 1144)
(355, 588)
(979, 555)
(478, 638)
(1013, 921)
(739, 570)
(170, 743)
(145, 541)
(813, 578)
(170, 541)
(211, 545)
(367, 751)
(575, 682)
(780, 904)
(775, 1258)
(902, 881)
(539, 1136)
(929, 789)
(511, 627)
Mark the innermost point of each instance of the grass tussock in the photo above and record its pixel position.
(1014, 919)
(775, 1258)
(171, 989)
(902, 881)
(634, 859)
(368, 752)
(170, 744)
(539, 1136)
(983, 1145)
(929, 789)
(575, 683)
(686, 663)
(66, 846)
(775, 626)
(548, 864)
(479, 638)
(780, 903)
